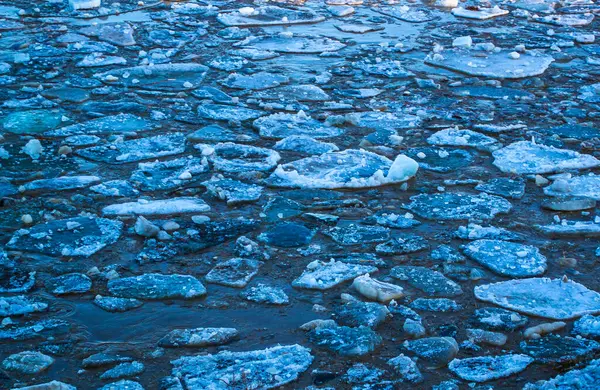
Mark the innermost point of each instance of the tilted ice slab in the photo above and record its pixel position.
(283, 125)
(584, 186)
(571, 229)
(261, 369)
(62, 183)
(584, 378)
(458, 137)
(136, 149)
(322, 276)
(526, 157)
(79, 236)
(480, 14)
(494, 64)
(543, 297)
(161, 77)
(487, 368)
(230, 157)
(289, 43)
(157, 286)
(158, 207)
(20, 305)
(268, 16)
(449, 206)
(256, 81)
(507, 258)
(198, 337)
(120, 123)
(348, 169)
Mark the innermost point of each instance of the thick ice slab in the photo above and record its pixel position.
(136, 149)
(493, 64)
(157, 286)
(283, 125)
(158, 207)
(292, 43)
(120, 123)
(198, 337)
(487, 368)
(525, 157)
(507, 258)
(266, 369)
(583, 378)
(322, 276)
(543, 297)
(587, 186)
(457, 206)
(348, 169)
(79, 236)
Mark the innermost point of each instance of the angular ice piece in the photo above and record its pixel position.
(456, 137)
(262, 293)
(526, 157)
(555, 349)
(221, 112)
(493, 65)
(235, 272)
(27, 363)
(492, 92)
(159, 77)
(378, 120)
(170, 206)
(136, 149)
(265, 369)
(157, 286)
(474, 231)
(120, 123)
(435, 352)
(574, 20)
(508, 188)
(62, 183)
(507, 258)
(322, 276)
(298, 44)
(79, 236)
(584, 378)
(377, 290)
(20, 305)
(387, 68)
(571, 229)
(33, 122)
(401, 245)
(166, 175)
(115, 188)
(358, 313)
(232, 191)
(305, 144)
(436, 305)
(409, 14)
(256, 81)
(199, 337)
(346, 341)
(358, 234)
(269, 16)
(487, 368)
(544, 297)
(73, 283)
(296, 93)
(449, 206)
(496, 319)
(283, 125)
(429, 281)
(116, 305)
(479, 13)
(123, 384)
(120, 34)
(406, 368)
(287, 235)
(348, 169)
(215, 133)
(230, 157)
(440, 159)
(587, 326)
(124, 370)
(587, 186)
(358, 28)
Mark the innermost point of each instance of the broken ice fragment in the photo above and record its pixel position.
(507, 258)
(158, 207)
(157, 286)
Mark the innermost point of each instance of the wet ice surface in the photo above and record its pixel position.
(299, 194)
